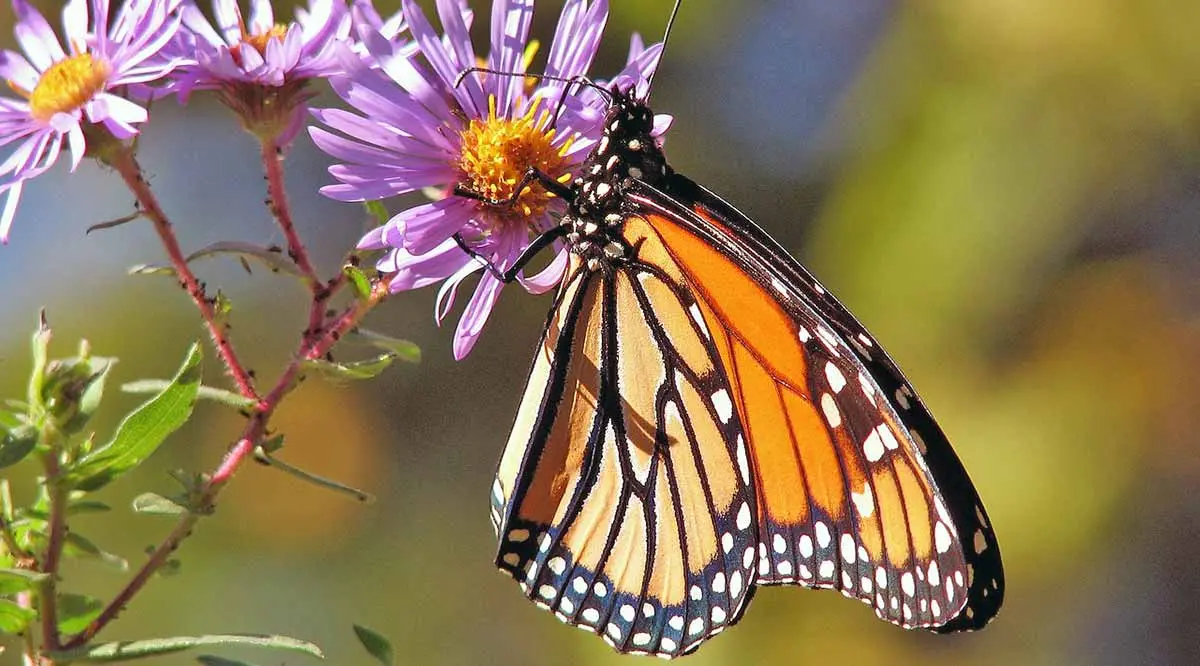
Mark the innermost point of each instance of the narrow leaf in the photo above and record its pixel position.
(378, 212)
(19, 580)
(143, 430)
(358, 280)
(80, 546)
(14, 619)
(405, 350)
(76, 611)
(308, 477)
(126, 650)
(87, 506)
(157, 505)
(273, 258)
(376, 644)
(367, 369)
(41, 357)
(206, 392)
(113, 223)
(151, 269)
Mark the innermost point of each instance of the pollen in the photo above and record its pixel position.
(497, 152)
(259, 41)
(67, 85)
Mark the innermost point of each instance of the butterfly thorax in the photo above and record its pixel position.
(626, 152)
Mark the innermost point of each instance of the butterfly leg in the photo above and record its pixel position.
(532, 175)
(523, 259)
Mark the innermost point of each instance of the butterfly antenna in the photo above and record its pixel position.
(663, 52)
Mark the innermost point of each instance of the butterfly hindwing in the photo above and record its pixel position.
(619, 501)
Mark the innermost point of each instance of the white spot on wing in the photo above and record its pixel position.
(889, 439)
(864, 502)
(720, 400)
(698, 317)
(829, 408)
(822, 532)
(848, 553)
(873, 446)
(735, 584)
(743, 464)
(743, 516)
(836, 380)
(830, 340)
(941, 537)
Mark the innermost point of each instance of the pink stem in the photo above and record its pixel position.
(126, 164)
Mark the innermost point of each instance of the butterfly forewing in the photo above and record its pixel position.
(619, 501)
(846, 498)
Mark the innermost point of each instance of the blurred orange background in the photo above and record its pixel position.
(1006, 193)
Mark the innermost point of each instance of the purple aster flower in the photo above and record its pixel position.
(423, 126)
(69, 95)
(261, 69)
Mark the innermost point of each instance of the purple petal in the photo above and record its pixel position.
(510, 34)
(476, 315)
(36, 37)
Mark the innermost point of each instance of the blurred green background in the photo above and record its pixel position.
(1007, 192)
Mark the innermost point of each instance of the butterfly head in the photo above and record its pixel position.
(626, 152)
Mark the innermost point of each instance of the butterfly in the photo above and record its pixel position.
(702, 418)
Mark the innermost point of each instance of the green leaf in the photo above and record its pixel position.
(367, 369)
(76, 612)
(272, 257)
(41, 356)
(80, 546)
(378, 212)
(113, 223)
(263, 456)
(126, 650)
(405, 350)
(206, 392)
(358, 280)
(87, 506)
(13, 618)
(19, 580)
(272, 444)
(157, 505)
(16, 444)
(143, 430)
(151, 269)
(376, 644)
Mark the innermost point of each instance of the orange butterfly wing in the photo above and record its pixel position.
(857, 487)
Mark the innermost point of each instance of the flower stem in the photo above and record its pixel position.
(56, 536)
(131, 172)
(277, 201)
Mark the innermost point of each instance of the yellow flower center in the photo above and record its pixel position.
(67, 85)
(496, 153)
(259, 41)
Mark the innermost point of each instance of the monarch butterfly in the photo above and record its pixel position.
(703, 417)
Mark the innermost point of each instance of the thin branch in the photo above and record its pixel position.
(126, 164)
(55, 542)
(277, 201)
